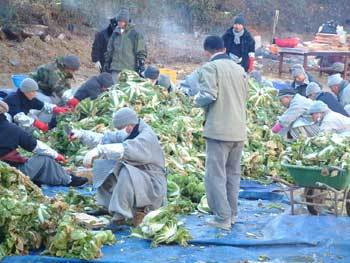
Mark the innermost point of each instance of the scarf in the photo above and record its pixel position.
(237, 35)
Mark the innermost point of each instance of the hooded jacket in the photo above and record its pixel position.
(123, 50)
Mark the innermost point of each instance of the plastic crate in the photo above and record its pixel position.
(308, 177)
(17, 79)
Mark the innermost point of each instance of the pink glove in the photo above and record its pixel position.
(277, 128)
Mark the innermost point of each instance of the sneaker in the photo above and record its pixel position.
(221, 225)
(77, 181)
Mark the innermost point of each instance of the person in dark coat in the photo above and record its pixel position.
(240, 44)
(43, 167)
(313, 91)
(153, 73)
(91, 89)
(300, 79)
(99, 46)
(23, 101)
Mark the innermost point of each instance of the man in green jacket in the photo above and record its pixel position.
(126, 48)
(223, 92)
(54, 78)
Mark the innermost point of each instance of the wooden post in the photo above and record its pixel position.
(275, 21)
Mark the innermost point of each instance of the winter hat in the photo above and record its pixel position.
(29, 85)
(151, 72)
(334, 80)
(286, 92)
(338, 67)
(123, 15)
(71, 62)
(124, 117)
(213, 43)
(297, 72)
(239, 20)
(318, 106)
(312, 88)
(3, 107)
(105, 79)
(164, 81)
(296, 66)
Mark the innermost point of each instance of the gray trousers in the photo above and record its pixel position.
(45, 170)
(117, 195)
(115, 76)
(222, 177)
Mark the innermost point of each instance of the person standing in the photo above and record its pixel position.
(126, 48)
(240, 44)
(99, 46)
(223, 92)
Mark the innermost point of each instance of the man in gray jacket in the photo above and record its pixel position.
(223, 91)
(128, 167)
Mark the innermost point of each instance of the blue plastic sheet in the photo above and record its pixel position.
(264, 229)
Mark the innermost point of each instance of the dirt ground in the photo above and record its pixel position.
(180, 52)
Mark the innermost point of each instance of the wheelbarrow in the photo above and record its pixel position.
(324, 187)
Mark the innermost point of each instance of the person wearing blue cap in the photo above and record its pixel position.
(294, 122)
(341, 88)
(314, 92)
(329, 121)
(240, 44)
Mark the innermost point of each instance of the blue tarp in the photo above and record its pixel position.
(264, 230)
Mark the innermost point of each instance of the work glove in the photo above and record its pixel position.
(73, 103)
(75, 134)
(140, 66)
(89, 157)
(61, 159)
(277, 128)
(251, 61)
(60, 110)
(41, 125)
(98, 65)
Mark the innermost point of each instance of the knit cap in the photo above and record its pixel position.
(312, 88)
(71, 62)
(151, 72)
(334, 80)
(318, 106)
(124, 117)
(105, 79)
(29, 85)
(3, 107)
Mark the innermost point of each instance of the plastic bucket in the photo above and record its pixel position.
(17, 79)
(172, 74)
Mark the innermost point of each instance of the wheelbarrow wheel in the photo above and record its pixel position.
(347, 206)
(314, 209)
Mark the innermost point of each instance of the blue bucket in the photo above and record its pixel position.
(17, 79)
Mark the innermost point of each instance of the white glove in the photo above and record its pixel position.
(23, 120)
(48, 107)
(114, 151)
(43, 149)
(98, 65)
(89, 157)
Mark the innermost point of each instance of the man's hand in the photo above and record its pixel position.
(90, 157)
(74, 134)
(140, 66)
(60, 110)
(41, 125)
(61, 159)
